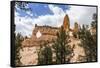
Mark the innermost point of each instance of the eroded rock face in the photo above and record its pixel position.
(45, 30)
(41, 34)
(29, 55)
(66, 23)
(78, 54)
(47, 33)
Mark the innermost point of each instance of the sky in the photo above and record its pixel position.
(51, 15)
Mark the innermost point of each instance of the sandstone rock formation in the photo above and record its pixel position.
(47, 34)
(66, 23)
(76, 27)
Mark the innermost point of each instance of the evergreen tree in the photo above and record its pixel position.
(61, 47)
(45, 55)
(94, 22)
(88, 43)
(18, 47)
(94, 26)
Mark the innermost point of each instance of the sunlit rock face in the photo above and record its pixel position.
(31, 45)
(38, 34)
(66, 23)
(29, 56)
(76, 27)
(41, 34)
(46, 33)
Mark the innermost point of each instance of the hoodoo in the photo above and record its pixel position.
(66, 23)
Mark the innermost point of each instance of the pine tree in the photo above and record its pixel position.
(88, 43)
(61, 47)
(94, 35)
(94, 22)
(18, 47)
(45, 55)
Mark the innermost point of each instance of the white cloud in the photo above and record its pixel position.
(24, 25)
(29, 13)
(56, 10)
(16, 6)
(81, 14)
(51, 20)
(16, 14)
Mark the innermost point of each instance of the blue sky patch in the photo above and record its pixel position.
(38, 9)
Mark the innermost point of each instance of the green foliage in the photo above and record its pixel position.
(61, 47)
(88, 42)
(18, 40)
(45, 55)
(94, 22)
